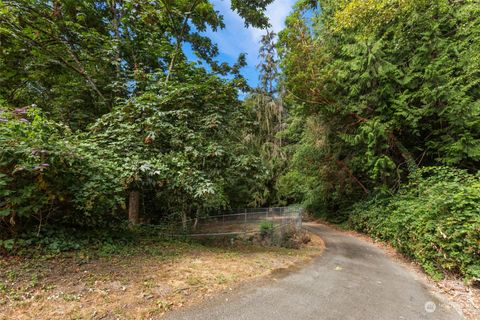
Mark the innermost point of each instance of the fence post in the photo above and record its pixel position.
(245, 224)
(300, 214)
(282, 229)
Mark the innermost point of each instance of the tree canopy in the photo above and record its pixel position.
(383, 95)
(98, 100)
(77, 59)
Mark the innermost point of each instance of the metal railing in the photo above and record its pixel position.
(239, 222)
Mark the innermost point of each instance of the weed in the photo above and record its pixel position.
(221, 279)
(266, 229)
(164, 305)
(194, 281)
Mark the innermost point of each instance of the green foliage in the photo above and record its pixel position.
(434, 219)
(387, 91)
(181, 141)
(385, 95)
(270, 114)
(178, 143)
(46, 173)
(370, 15)
(266, 229)
(115, 106)
(76, 59)
(87, 242)
(374, 90)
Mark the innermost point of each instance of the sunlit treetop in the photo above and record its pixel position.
(371, 14)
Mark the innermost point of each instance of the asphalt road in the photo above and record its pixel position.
(351, 280)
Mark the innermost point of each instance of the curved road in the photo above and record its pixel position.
(351, 280)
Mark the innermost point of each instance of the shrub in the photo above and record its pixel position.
(176, 144)
(435, 219)
(48, 173)
(266, 229)
(288, 237)
(304, 237)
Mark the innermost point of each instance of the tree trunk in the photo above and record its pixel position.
(184, 220)
(134, 208)
(409, 159)
(196, 219)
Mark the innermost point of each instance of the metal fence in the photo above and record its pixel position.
(240, 222)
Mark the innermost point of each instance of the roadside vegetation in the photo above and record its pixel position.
(384, 128)
(433, 219)
(104, 120)
(367, 113)
(139, 277)
(109, 134)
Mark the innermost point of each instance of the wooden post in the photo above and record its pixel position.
(184, 220)
(245, 224)
(197, 215)
(134, 207)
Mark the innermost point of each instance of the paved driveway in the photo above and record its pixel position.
(351, 280)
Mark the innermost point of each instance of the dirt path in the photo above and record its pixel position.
(351, 280)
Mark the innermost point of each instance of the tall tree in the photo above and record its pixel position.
(115, 72)
(266, 102)
(76, 59)
(387, 86)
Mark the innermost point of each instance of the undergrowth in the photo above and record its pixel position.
(120, 240)
(435, 219)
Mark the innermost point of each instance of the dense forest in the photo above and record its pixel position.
(102, 110)
(384, 131)
(367, 113)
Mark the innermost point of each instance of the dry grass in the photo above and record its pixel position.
(142, 285)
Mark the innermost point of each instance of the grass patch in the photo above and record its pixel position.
(140, 278)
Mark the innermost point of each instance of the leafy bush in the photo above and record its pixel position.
(179, 145)
(47, 173)
(56, 239)
(435, 219)
(266, 229)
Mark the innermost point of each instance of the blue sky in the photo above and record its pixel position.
(235, 38)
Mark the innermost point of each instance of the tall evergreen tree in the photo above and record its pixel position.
(390, 85)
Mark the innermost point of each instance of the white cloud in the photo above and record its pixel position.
(235, 38)
(276, 12)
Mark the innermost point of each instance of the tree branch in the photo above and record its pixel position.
(350, 173)
(179, 39)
